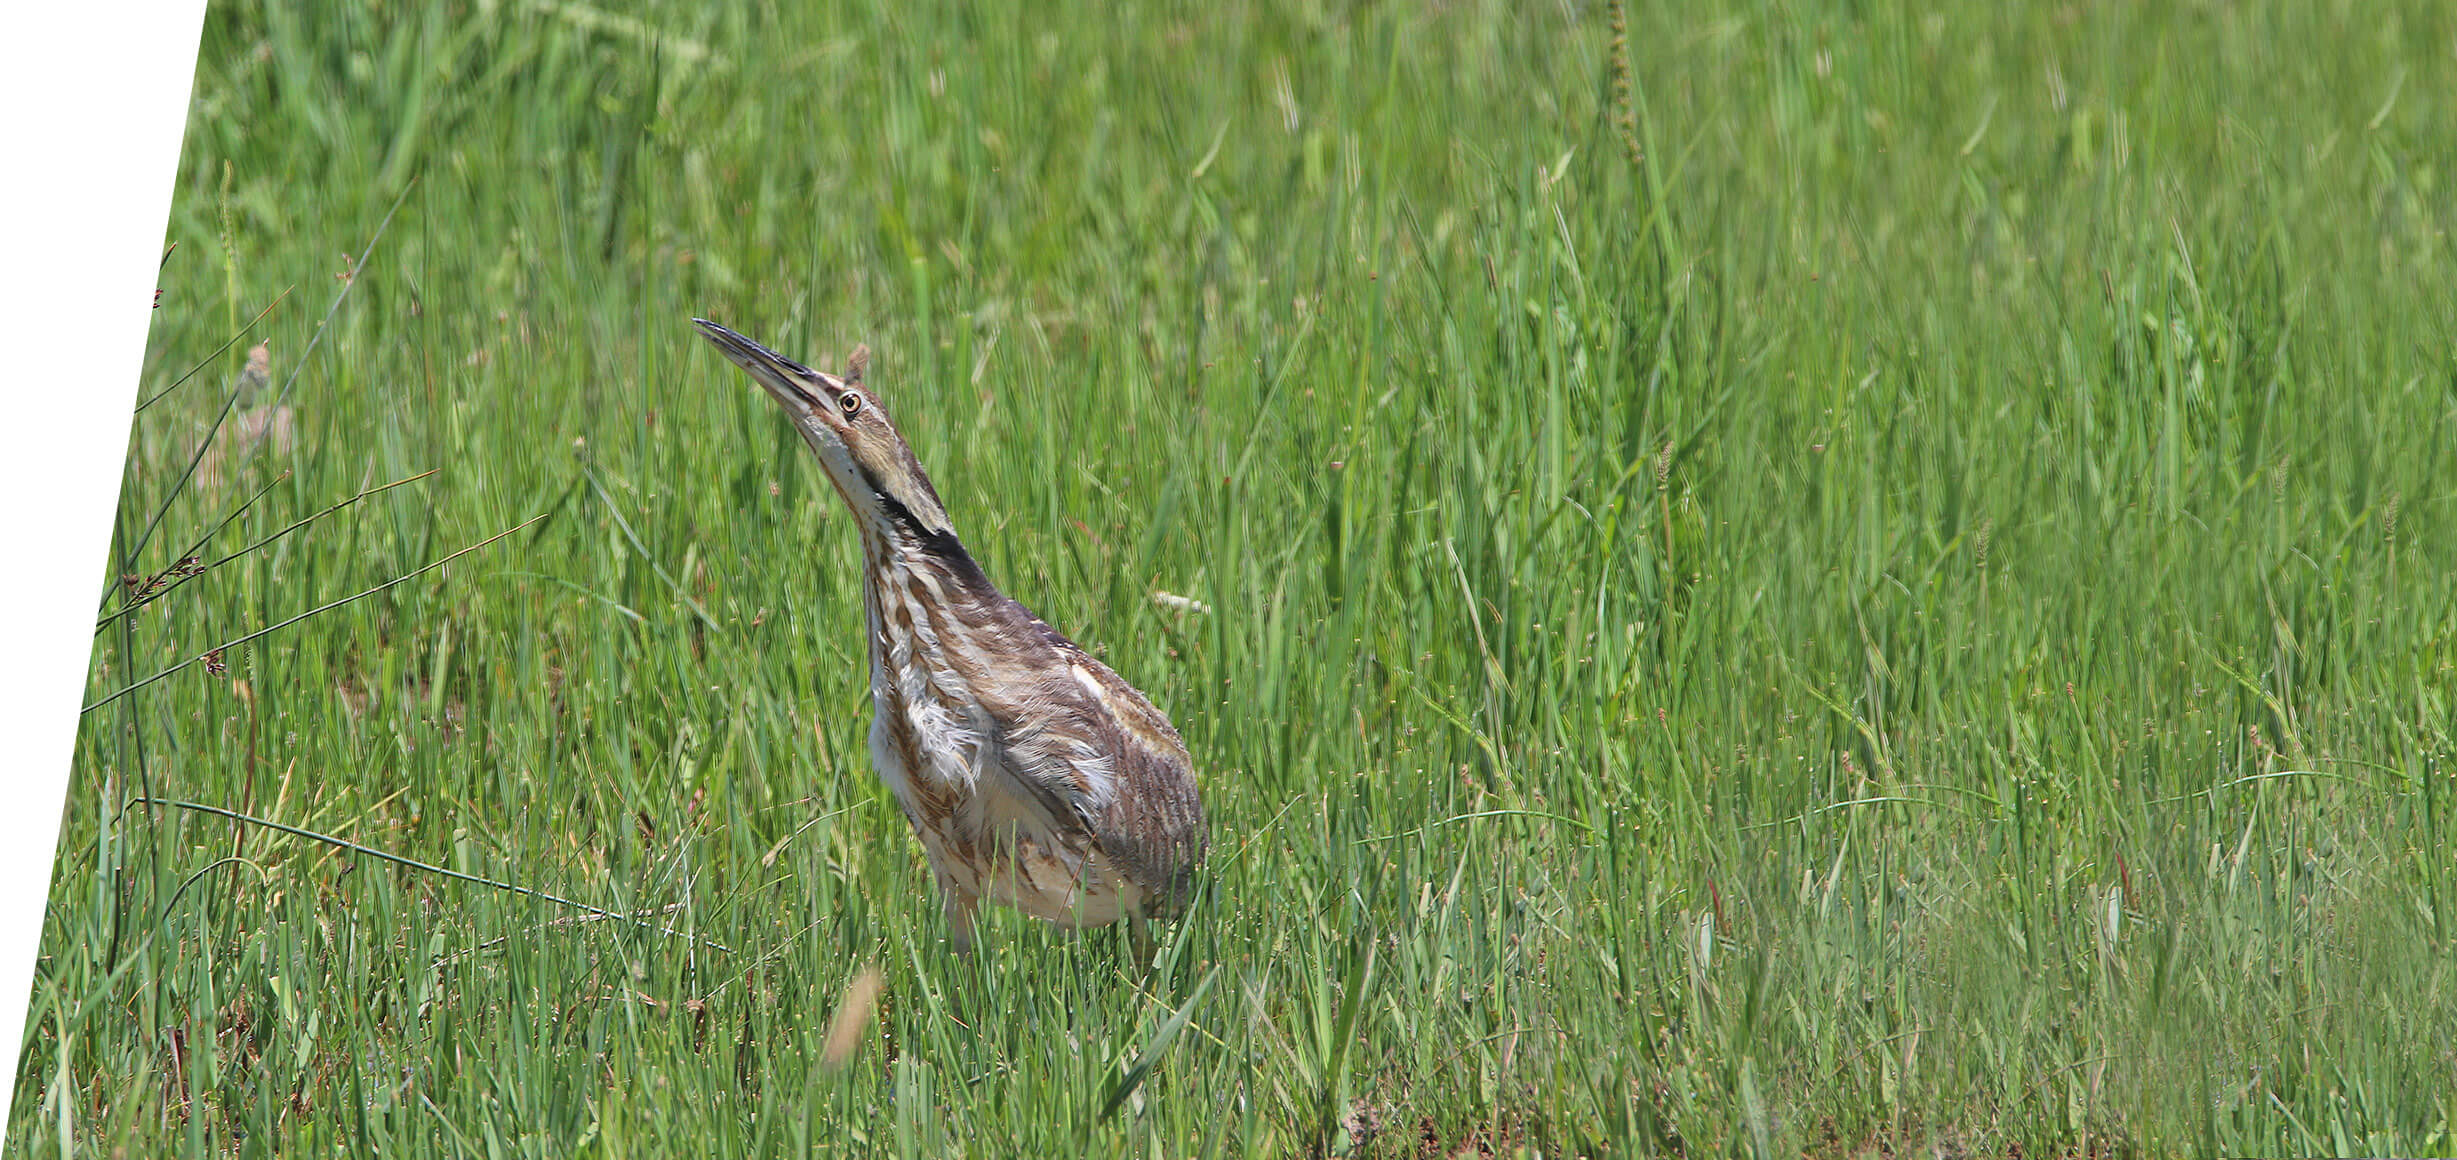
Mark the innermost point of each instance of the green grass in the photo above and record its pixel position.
(1914, 616)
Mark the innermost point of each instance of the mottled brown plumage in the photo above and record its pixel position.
(1033, 775)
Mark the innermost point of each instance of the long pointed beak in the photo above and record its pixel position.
(784, 378)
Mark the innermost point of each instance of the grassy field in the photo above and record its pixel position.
(1893, 601)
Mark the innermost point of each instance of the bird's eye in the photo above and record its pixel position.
(852, 403)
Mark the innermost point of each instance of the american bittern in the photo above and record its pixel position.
(1032, 774)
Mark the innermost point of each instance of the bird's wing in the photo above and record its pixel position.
(1048, 776)
(1101, 763)
(1154, 827)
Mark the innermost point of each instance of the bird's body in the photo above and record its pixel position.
(1032, 774)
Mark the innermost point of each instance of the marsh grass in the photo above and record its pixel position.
(1889, 598)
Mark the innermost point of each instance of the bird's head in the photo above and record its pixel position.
(866, 458)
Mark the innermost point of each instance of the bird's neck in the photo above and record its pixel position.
(907, 573)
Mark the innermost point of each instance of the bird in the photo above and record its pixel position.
(1033, 775)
